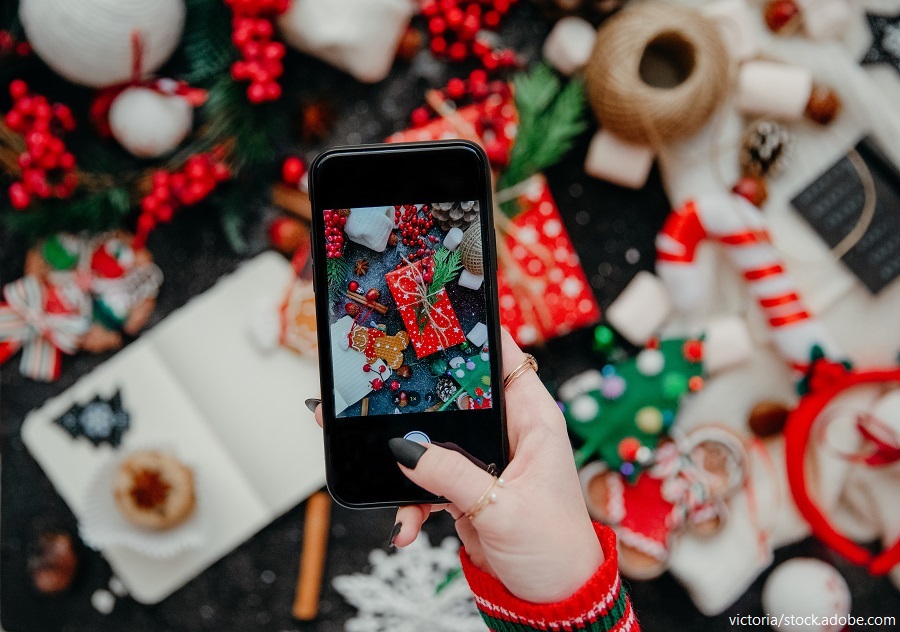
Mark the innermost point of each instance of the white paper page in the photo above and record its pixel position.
(161, 415)
(253, 400)
(351, 382)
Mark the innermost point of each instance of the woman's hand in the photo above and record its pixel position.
(537, 538)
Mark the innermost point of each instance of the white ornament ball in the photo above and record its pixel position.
(802, 588)
(89, 42)
(149, 124)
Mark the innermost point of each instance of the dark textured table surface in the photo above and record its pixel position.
(252, 587)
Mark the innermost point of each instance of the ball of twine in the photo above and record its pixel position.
(629, 95)
(470, 250)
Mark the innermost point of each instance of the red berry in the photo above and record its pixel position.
(395, 385)
(438, 45)
(492, 19)
(286, 234)
(292, 170)
(256, 93)
(436, 25)
(18, 196)
(18, 89)
(457, 51)
(366, 367)
(377, 383)
(781, 13)
(456, 88)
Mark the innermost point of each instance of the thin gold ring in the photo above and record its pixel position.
(489, 496)
(528, 363)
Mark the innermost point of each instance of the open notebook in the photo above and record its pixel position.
(197, 382)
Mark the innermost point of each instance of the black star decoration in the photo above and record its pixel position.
(885, 40)
(100, 420)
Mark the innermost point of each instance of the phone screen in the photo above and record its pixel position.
(408, 328)
(407, 313)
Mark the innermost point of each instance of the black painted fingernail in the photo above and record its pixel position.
(312, 402)
(407, 452)
(394, 533)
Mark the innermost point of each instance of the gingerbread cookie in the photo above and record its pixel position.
(375, 343)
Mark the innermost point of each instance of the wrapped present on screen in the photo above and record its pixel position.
(426, 310)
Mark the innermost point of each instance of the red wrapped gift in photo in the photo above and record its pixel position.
(544, 292)
(428, 315)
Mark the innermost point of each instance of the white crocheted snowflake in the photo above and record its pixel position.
(419, 587)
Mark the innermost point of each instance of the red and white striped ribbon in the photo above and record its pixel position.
(741, 228)
(35, 320)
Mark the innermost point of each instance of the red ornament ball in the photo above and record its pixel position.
(285, 233)
(779, 14)
(372, 295)
(292, 171)
(353, 286)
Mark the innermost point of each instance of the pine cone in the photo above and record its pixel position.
(765, 147)
(591, 10)
(454, 214)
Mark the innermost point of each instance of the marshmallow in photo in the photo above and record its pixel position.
(370, 227)
(767, 88)
(641, 308)
(358, 36)
(469, 280)
(569, 45)
(612, 159)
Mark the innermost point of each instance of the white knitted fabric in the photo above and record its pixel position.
(400, 592)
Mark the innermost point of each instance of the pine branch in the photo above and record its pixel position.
(551, 116)
(207, 40)
(97, 212)
(446, 265)
(337, 269)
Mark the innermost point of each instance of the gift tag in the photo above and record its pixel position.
(834, 202)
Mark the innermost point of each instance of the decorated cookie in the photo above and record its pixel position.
(375, 344)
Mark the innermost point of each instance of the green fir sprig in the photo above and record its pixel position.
(551, 116)
(447, 265)
(337, 269)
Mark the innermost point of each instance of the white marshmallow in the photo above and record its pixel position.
(737, 24)
(768, 88)
(469, 280)
(453, 238)
(478, 335)
(825, 19)
(370, 227)
(358, 36)
(612, 159)
(641, 308)
(569, 45)
(726, 344)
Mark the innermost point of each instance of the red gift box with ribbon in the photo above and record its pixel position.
(543, 290)
(428, 316)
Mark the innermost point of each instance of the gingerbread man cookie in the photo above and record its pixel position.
(375, 344)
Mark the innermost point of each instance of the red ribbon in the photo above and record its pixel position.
(685, 229)
(797, 434)
(102, 103)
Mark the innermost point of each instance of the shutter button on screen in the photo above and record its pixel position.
(417, 436)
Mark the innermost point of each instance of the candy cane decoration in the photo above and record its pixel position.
(739, 226)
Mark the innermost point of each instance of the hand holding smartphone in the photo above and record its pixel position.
(406, 302)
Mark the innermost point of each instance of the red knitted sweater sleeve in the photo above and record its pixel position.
(601, 605)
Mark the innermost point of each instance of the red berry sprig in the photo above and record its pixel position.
(456, 28)
(252, 31)
(187, 186)
(414, 223)
(9, 45)
(48, 168)
(334, 233)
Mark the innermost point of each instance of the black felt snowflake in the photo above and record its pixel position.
(100, 420)
(885, 40)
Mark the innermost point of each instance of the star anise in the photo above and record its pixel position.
(361, 267)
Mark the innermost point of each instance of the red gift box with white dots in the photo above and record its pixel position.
(440, 329)
(552, 295)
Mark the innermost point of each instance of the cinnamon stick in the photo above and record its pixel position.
(362, 300)
(312, 559)
(293, 200)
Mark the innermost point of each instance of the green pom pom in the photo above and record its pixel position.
(604, 339)
(674, 385)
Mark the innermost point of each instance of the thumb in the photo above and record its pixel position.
(441, 471)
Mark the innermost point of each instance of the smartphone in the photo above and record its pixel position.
(406, 305)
